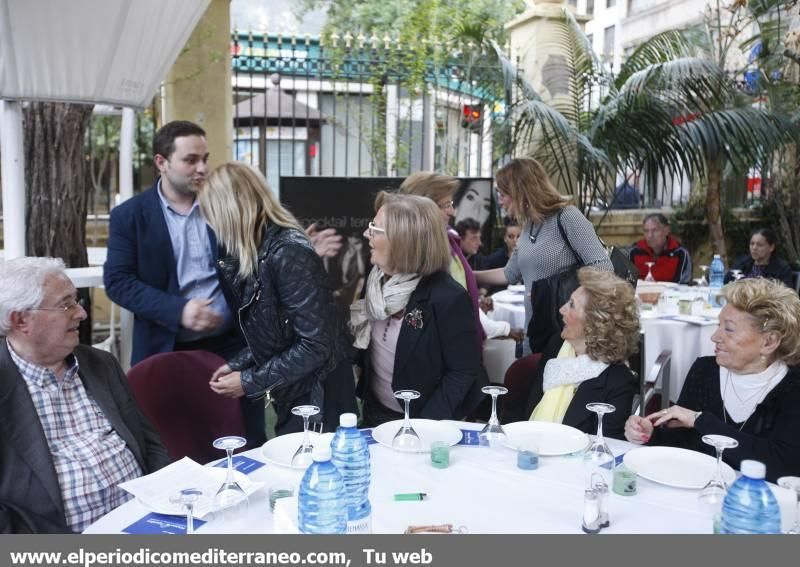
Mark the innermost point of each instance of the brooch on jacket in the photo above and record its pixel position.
(414, 319)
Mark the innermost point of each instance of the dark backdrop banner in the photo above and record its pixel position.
(347, 204)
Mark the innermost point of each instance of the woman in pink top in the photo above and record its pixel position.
(415, 327)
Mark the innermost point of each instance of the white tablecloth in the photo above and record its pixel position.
(509, 306)
(485, 495)
(686, 341)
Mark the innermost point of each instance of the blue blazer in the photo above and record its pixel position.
(140, 272)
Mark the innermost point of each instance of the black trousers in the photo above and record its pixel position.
(340, 397)
(375, 412)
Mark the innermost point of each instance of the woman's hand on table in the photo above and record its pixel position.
(638, 429)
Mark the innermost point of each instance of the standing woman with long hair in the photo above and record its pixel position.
(526, 193)
(297, 346)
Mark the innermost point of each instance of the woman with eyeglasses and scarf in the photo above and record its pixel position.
(415, 327)
(441, 189)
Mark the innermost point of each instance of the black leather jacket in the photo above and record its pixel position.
(295, 335)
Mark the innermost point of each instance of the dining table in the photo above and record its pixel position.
(509, 306)
(481, 491)
(687, 335)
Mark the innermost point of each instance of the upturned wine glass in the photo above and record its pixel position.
(598, 458)
(186, 499)
(230, 495)
(649, 277)
(302, 457)
(406, 439)
(713, 493)
(705, 279)
(793, 483)
(493, 431)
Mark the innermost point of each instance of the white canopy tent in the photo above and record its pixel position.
(87, 51)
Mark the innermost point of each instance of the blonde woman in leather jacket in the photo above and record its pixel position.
(297, 346)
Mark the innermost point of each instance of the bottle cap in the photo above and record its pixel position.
(348, 420)
(321, 453)
(753, 469)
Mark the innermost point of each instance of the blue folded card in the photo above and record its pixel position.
(242, 464)
(367, 433)
(617, 461)
(469, 437)
(161, 524)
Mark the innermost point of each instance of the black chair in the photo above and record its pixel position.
(647, 385)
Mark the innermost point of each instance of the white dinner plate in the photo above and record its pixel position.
(428, 430)
(280, 450)
(676, 467)
(551, 439)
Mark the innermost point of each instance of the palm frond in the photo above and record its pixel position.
(661, 48)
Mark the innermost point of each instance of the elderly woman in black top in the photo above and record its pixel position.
(589, 362)
(750, 389)
(415, 325)
(762, 261)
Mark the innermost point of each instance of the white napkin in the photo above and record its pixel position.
(154, 490)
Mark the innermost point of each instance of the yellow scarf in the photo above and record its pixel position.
(457, 271)
(554, 402)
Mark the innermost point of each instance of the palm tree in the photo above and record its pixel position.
(775, 76)
(667, 113)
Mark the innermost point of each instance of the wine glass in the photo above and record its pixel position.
(714, 491)
(598, 458)
(793, 483)
(649, 277)
(737, 274)
(187, 498)
(406, 439)
(703, 277)
(230, 496)
(302, 457)
(493, 431)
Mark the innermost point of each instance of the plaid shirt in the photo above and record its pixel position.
(89, 457)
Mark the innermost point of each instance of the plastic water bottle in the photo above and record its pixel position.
(350, 454)
(321, 506)
(717, 279)
(750, 507)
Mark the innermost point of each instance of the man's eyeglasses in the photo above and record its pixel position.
(372, 229)
(65, 307)
(447, 205)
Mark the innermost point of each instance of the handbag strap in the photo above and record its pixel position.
(578, 259)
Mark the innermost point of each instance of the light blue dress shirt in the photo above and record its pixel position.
(194, 263)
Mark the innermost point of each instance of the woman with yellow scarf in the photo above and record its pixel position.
(601, 331)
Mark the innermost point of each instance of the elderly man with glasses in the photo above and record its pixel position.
(70, 433)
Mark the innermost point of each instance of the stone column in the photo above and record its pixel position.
(536, 52)
(198, 87)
